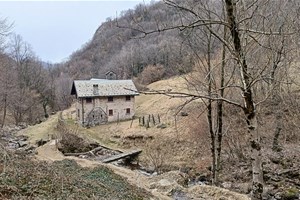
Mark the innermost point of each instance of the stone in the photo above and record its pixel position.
(184, 114)
(227, 185)
(23, 143)
(162, 126)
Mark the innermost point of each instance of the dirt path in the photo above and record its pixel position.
(49, 152)
(40, 131)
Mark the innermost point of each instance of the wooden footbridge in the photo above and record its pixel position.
(122, 155)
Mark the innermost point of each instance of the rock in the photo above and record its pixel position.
(30, 148)
(184, 114)
(22, 138)
(83, 156)
(227, 185)
(152, 185)
(164, 182)
(13, 145)
(185, 169)
(202, 178)
(277, 195)
(243, 187)
(41, 142)
(178, 194)
(162, 126)
(23, 125)
(168, 182)
(23, 143)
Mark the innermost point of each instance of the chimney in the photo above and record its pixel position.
(95, 89)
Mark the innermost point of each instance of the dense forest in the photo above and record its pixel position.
(241, 58)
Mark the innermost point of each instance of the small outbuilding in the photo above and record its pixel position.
(99, 101)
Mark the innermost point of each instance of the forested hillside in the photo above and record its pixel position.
(115, 46)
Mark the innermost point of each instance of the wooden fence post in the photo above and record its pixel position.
(149, 118)
(153, 119)
(131, 122)
(143, 119)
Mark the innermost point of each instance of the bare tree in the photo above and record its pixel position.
(250, 26)
(62, 92)
(25, 97)
(5, 28)
(7, 84)
(6, 79)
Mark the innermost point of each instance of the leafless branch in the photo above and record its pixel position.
(171, 94)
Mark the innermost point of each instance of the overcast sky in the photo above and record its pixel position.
(55, 29)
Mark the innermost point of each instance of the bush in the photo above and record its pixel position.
(68, 139)
(155, 155)
(152, 73)
(72, 143)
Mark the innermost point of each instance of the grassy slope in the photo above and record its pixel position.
(42, 130)
(27, 179)
(178, 146)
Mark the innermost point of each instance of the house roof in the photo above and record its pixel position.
(103, 87)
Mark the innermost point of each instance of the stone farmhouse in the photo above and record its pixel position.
(99, 101)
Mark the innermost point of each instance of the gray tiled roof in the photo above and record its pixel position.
(85, 88)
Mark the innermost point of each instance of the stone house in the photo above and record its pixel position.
(99, 101)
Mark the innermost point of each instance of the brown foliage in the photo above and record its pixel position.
(199, 133)
(152, 73)
(69, 140)
(155, 155)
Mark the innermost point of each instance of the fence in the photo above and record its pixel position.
(149, 120)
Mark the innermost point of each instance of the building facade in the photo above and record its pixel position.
(99, 101)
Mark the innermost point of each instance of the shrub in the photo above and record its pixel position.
(152, 73)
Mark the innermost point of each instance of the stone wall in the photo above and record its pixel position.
(118, 109)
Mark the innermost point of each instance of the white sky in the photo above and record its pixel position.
(55, 29)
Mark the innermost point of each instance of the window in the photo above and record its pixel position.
(88, 100)
(128, 98)
(127, 111)
(110, 99)
(110, 112)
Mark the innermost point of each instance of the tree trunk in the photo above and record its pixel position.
(249, 109)
(213, 143)
(220, 113)
(257, 171)
(210, 113)
(45, 103)
(278, 128)
(4, 111)
(276, 102)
